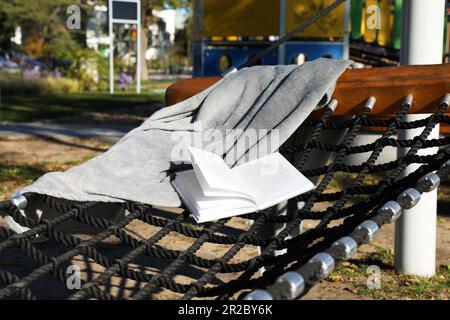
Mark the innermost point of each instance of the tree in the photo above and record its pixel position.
(42, 23)
(6, 31)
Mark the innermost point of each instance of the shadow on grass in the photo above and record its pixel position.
(33, 108)
(443, 205)
(369, 261)
(67, 143)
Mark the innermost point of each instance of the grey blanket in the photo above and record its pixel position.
(141, 165)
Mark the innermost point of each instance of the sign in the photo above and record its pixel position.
(125, 12)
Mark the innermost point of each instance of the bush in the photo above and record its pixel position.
(47, 85)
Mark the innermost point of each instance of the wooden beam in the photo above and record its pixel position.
(389, 85)
(184, 89)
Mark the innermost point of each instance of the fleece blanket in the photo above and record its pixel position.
(254, 107)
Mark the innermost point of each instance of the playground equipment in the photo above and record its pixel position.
(227, 33)
(378, 42)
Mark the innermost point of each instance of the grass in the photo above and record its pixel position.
(342, 180)
(393, 286)
(13, 176)
(39, 107)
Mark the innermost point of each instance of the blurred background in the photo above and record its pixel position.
(54, 54)
(181, 38)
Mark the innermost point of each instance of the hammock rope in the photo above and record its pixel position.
(299, 248)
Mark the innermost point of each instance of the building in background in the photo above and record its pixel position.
(161, 33)
(96, 34)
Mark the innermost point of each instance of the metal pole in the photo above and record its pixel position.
(282, 48)
(415, 232)
(111, 49)
(138, 62)
(346, 39)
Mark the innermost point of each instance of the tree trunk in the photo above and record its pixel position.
(144, 45)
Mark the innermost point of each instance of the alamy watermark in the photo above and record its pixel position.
(373, 20)
(374, 277)
(236, 146)
(73, 21)
(73, 281)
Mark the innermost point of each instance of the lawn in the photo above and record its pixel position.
(39, 107)
(392, 286)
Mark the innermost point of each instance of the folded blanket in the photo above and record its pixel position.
(270, 100)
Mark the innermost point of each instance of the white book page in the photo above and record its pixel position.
(273, 179)
(204, 207)
(215, 177)
(266, 182)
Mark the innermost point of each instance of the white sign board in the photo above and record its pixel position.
(125, 12)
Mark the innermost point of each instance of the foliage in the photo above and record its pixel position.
(6, 30)
(353, 275)
(11, 85)
(45, 34)
(42, 22)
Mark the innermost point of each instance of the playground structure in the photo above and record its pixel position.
(227, 34)
(380, 44)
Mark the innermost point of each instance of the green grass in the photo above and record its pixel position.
(78, 162)
(15, 175)
(411, 287)
(38, 107)
(20, 173)
(12, 176)
(393, 286)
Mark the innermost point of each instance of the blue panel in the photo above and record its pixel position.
(125, 10)
(313, 50)
(206, 57)
(198, 63)
(238, 56)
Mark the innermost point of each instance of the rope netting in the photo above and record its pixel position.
(169, 256)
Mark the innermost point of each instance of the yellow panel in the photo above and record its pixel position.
(369, 34)
(329, 26)
(386, 23)
(241, 18)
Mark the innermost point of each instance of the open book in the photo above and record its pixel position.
(214, 191)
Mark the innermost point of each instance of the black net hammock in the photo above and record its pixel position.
(147, 264)
(148, 252)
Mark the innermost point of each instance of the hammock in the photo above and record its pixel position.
(357, 209)
(363, 208)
